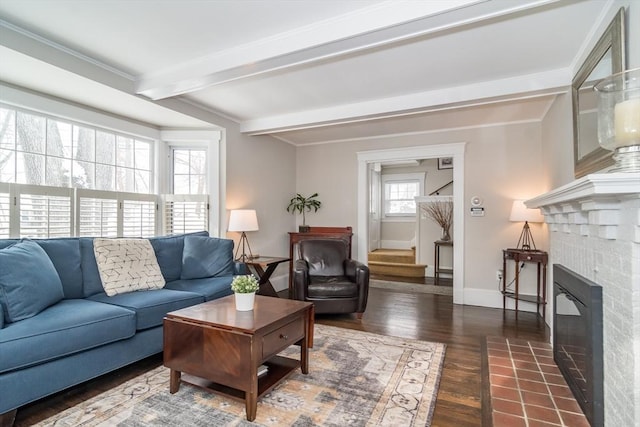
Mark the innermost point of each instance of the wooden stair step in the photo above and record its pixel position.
(393, 255)
(396, 269)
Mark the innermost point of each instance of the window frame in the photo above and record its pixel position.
(416, 177)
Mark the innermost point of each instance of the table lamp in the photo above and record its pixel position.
(243, 220)
(520, 213)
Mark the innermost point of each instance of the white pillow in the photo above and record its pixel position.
(127, 265)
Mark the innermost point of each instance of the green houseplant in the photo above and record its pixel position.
(245, 288)
(301, 204)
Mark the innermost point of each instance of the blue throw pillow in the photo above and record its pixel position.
(29, 282)
(206, 257)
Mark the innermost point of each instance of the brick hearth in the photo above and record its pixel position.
(525, 387)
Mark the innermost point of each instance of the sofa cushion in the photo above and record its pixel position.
(70, 326)
(210, 288)
(127, 265)
(206, 257)
(151, 306)
(169, 253)
(29, 282)
(64, 253)
(91, 282)
(65, 256)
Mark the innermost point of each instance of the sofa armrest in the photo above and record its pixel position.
(356, 271)
(300, 279)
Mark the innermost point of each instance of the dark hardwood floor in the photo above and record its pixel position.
(419, 316)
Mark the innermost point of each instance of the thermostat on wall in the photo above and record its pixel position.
(477, 211)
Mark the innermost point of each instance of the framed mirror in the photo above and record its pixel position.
(606, 58)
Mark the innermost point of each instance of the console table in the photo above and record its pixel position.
(531, 256)
(344, 233)
(437, 270)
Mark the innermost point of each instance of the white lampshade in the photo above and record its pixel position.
(243, 220)
(520, 213)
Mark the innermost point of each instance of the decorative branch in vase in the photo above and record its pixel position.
(441, 212)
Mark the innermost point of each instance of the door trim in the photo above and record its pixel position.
(455, 150)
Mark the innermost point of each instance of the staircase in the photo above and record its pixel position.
(395, 262)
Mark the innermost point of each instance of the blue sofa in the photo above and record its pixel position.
(84, 333)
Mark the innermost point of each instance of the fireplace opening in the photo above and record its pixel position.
(577, 339)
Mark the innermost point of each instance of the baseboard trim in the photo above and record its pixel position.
(493, 299)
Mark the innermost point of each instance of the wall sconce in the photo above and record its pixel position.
(520, 213)
(242, 220)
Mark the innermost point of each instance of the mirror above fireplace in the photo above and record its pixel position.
(606, 58)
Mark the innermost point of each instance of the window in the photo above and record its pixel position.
(187, 209)
(399, 195)
(37, 149)
(189, 171)
(97, 181)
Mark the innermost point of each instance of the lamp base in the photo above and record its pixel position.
(526, 239)
(627, 159)
(244, 257)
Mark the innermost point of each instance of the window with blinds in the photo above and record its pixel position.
(5, 211)
(44, 211)
(185, 213)
(139, 218)
(97, 214)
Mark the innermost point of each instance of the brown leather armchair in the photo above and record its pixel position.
(326, 276)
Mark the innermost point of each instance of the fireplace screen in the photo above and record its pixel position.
(577, 339)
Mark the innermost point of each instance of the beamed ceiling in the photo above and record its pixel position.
(303, 71)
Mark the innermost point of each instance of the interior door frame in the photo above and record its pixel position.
(455, 150)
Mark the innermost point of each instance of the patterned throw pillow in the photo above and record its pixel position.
(127, 265)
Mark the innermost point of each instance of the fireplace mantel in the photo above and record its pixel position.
(593, 205)
(594, 230)
(590, 187)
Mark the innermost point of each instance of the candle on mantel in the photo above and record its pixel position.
(627, 122)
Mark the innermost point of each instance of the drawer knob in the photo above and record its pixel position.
(529, 257)
(284, 337)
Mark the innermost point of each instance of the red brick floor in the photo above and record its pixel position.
(526, 387)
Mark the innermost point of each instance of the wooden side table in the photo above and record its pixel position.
(258, 265)
(437, 270)
(532, 256)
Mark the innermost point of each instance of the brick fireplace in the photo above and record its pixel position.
(594, 226)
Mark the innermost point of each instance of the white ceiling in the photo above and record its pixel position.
(305, 71)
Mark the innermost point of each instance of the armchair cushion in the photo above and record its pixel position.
(325, 257)
(331, 287)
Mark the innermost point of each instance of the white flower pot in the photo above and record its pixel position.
(244, 302)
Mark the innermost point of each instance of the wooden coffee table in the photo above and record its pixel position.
(221, 348)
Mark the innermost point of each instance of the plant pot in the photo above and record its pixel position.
(304, 228)
(245, 302)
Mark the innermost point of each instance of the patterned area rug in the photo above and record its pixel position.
(355, 379)
(411, 287)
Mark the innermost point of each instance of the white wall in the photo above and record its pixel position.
(502, 163)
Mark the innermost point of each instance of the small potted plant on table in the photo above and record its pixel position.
(303, 204)
(245, 288)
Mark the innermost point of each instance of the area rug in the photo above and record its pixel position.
(355, 379)
(411, 287)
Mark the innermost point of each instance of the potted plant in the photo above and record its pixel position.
(245, 288)
(302, 205)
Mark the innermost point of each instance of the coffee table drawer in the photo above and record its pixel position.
(283, 337)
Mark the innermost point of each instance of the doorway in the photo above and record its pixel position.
(454, 150)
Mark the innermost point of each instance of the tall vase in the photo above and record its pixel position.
(245, 302)
(445, 234)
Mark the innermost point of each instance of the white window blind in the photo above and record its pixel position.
(5, 211)
(45, 212)
(97, 214)
(185, 213)
(139, 218)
